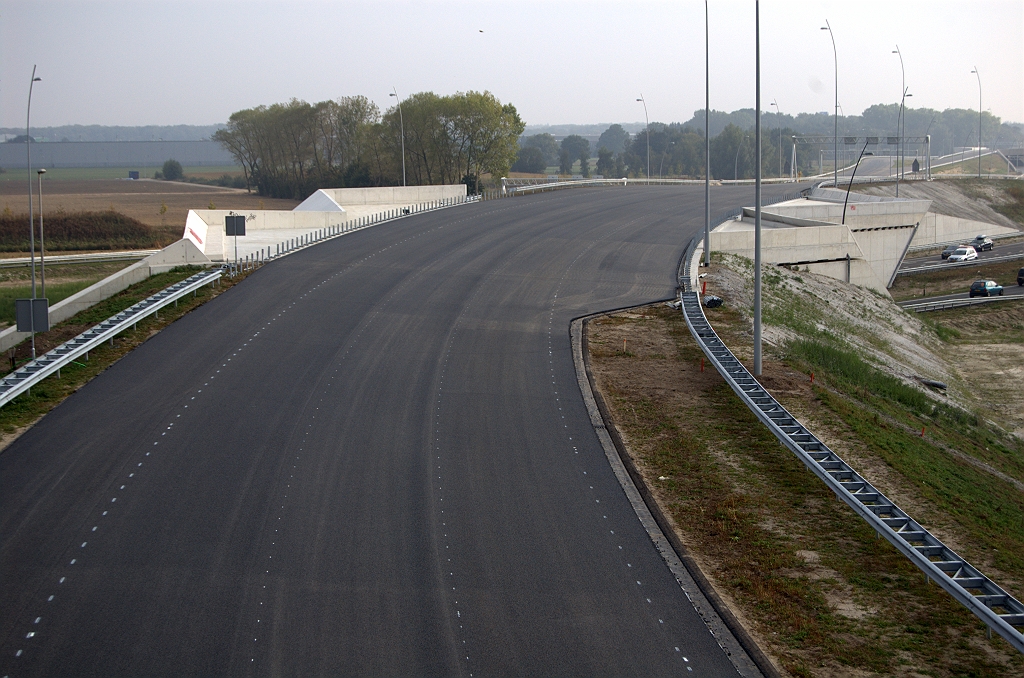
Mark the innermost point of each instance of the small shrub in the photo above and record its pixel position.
(172, 171)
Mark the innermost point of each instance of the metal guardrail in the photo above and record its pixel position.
(945, 265)
(987, 600)
(91, 258)
(925, 306)
(546, 185)
(269, 253)
(943, 244)
(31, 373)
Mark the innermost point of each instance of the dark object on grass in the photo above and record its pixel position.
(711, 301)
(933, 384)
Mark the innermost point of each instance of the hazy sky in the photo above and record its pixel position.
(171, 62)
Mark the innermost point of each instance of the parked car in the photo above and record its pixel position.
(986, 288)
(1020, 277)
(981, 243)
(949, 250)
(963, 253)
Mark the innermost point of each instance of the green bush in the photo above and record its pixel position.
(172, 171)
(84, 231)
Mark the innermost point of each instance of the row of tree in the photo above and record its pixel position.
(675, 151)
(290, 150)
(678, 150)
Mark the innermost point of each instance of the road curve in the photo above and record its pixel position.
(370, 457)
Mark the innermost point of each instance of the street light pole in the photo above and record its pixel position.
(975, 71)
(835, 137)
(641, 99)
(757, 193)
(31, 217)
(401, 120)
(899, 134)
(779, 113)
(663, 154)
(707, 140)
(42, 246)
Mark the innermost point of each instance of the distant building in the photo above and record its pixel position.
(56, 154)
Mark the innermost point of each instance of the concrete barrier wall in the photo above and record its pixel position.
(385, 195)
(181, 253)
(803, 243)
(789, 245)
(938, 229)
(858, 214)
(205, 228)
(883, 249)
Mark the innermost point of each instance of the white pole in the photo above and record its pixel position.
(757, 193)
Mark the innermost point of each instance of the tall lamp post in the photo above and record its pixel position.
(31, 217)
(757, 192)
(975, 71)
(42, 246)
(835, 136)
(901, 131)
(641, 99)
(899, 134)
(707, 140)
(664, 154)
(779, 113)
(401, 120)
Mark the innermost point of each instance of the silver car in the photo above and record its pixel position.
(965, 253)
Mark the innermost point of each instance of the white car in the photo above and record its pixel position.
(965, 253)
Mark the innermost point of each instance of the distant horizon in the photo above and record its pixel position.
(17, 131)
(117, 63)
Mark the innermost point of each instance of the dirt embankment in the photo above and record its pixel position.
(963, 199)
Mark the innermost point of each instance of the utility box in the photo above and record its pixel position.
(133, 174)
(32, 315)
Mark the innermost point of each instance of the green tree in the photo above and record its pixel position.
(577, 148)
(172, 171)
(614, 139)
(545, 143)
(530, 160)
(605, 162)
(565, 162)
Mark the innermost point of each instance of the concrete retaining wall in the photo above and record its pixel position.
(181, 253)
(386, 195)
(205, 228)
(937, 229)
(858, 214)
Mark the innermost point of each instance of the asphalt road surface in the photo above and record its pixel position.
(371, 457)
(998, 253)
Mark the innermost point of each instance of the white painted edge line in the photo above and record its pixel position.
(721, 633)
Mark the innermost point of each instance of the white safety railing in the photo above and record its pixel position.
(271, 252)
